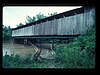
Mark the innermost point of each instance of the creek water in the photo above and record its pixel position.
(23, 51)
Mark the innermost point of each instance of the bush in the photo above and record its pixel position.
(11, 61)
(78, 54)
(18, 62)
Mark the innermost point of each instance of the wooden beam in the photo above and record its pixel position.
(48, 37)
(25, 41)
(13, 40)
(52, 44)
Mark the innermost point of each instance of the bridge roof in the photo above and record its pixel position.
(57, 16)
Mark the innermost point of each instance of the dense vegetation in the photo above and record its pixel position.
(6, 33)
(80, 53)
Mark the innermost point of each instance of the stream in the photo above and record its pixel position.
(24, 51)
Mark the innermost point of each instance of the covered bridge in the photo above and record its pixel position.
(64, 25)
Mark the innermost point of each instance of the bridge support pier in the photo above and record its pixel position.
(25, 42)
(13, 40)
(52, 46)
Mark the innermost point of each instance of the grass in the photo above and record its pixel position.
(18, 62)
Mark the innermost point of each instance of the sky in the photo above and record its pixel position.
(13, 15)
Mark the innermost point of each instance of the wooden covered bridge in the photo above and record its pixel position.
(65, 25)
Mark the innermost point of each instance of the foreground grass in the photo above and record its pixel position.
(80, 53)
(18, 62)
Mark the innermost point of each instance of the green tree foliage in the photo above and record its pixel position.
(29, 19)
(78, 54)
(37, 17)
(6, 33)
(20, 24)
(40, 16)
(51, 14)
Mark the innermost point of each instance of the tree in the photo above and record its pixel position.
(6, 33)
(51, 14)
(34, 18)
(37, 17)
(20, 24)
(29, 19)
(40, 16)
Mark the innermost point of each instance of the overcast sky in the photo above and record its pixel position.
(13, 15)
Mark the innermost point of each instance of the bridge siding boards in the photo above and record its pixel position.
(88, 18)
(71, 25)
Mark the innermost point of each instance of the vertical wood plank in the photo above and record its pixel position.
(72, 25)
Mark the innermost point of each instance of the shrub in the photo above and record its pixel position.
(78, 54)
(18, 62)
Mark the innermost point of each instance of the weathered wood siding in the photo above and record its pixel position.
(71, 25)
